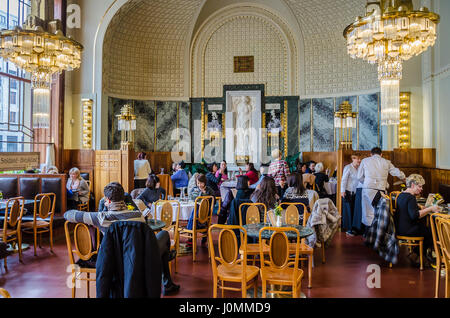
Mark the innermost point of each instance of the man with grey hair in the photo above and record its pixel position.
(373, 173)
(409, 215)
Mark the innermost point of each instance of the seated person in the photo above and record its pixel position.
(128, 200)
(118, 211)
(77, 189)
(180, 178)
(200, 190)
(224, 175)
(243, 192)
(408, 215)
(281, 189)
(211, 180)
(251, 173)
(267, 194)
(301, 167)
(296, 190)
(192, 183)
(321, 178)
(153, 191)
(263, 170)
(311, 166)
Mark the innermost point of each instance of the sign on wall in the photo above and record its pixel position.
(19, 160)
(244, 64)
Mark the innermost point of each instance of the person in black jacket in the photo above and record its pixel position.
(153, 191)
(321, 178)
(408, 214)
(118, 211)
(211, 180)
(243, 192)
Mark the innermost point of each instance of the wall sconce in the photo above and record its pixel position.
(127, 127)
(87, 122)
(404, 128)
(345, 121)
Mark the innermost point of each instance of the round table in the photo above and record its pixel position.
(253, 231)
(186, 209)
(155, 225)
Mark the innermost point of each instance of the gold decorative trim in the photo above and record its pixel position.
(311, 137)
(223, 126)
(203, 130)
(155, 140)
(357, 123)
(285, 128)
(87, 105)
(404, 128)
(334, 130)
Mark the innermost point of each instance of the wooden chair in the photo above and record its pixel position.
(231, 269)
(85, 206)
(4, 293)
(219, 202)
(307, 252)
(278, 270)
(167, 217)
(443, 231)
(11, 231)
(42, 218)
(410, 241)
(83, 249)
(203, 207)
(437, 249)
(252, 217)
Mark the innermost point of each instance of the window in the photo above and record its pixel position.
(15, 87)
(12, 144)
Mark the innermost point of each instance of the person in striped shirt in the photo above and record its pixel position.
(118, 211)
(278, 169)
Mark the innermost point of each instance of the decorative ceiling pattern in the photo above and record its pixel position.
(328, 67)
(145, 49)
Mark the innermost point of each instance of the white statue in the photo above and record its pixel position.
(243, 107)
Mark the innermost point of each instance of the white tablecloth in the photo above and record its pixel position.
(185, 210)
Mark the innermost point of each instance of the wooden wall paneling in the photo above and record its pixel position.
(108, 166)
(127, 170)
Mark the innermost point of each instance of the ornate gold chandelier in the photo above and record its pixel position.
(391, 32)
(42, 53)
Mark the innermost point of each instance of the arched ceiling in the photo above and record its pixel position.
(146, 47)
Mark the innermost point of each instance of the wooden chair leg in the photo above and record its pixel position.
(223, 290)
(40, 240)
(74, 279)
(323, 252)
(447, 283)
(255, 288)
(244, 290)
(264, 285)
(19, 240)
(438, 278)
(309, 271)
(194, 246)
(51, 239)
(35, 241)
(421, 254)
(215, 287)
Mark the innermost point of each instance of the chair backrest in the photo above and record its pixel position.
(436, 242)
(46, 206)
(443, 230)
(13, 212)
(136, 192)
(203, 206)
(279, 249)
(292, 214)
(393, 200)
(82, 242)
(4, 293)
(167, 213)
(253, 213)
(228, 251)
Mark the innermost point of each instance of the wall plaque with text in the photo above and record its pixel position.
(244, 64)
(19, 160)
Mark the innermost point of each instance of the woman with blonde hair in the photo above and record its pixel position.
(77, 189)
(321, 178)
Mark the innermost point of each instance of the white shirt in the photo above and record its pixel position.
(141, 169)
(373, 172)
(350, 179)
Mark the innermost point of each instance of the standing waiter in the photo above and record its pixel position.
(349, 186)
(373, 173)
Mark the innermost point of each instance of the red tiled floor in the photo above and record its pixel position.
(343, 275)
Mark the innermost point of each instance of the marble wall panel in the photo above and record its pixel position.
(166, 125)
(323, 124)
(305, 125)
(145, 125)
(114, 106)
(368, 121)
(293, 126)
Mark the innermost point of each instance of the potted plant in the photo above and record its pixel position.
(437, 199)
